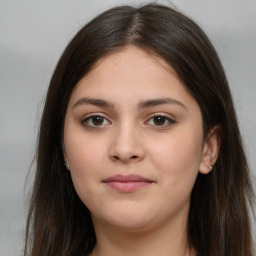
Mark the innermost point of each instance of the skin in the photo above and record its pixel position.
(168, 150)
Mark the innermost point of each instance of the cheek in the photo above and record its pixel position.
(177, 159)
(85, 171)
(84, 161)
(84, 154)
(177, 163)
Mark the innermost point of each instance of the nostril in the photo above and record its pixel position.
(118, 158)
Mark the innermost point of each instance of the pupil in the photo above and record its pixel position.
(97, 120)
(159, 120)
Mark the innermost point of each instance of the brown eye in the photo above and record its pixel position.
(94, 121)
(97, 120)
(160, 120)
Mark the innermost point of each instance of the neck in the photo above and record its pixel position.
(165, 239)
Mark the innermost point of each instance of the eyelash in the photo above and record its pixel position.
(167, 120)
(88, 121)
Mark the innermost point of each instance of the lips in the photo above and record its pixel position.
(127, 183)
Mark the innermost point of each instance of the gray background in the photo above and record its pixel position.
(34, 34)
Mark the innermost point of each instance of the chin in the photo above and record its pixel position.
(129, 220)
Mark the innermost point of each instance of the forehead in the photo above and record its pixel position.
(127, 64)
(132, 53)
(131, 73)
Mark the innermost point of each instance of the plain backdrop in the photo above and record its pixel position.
(33, 34)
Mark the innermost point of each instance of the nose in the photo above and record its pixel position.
(126, 145)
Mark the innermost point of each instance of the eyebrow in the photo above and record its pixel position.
(92, 101)
(142, 104)
(155, 102)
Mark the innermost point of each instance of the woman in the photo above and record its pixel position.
(139, 151)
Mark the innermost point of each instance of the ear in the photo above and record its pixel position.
(64, 150)
(65, 157)
(210, 149)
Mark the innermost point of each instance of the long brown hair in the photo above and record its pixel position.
(58, 222)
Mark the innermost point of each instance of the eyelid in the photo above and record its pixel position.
(163, 114)
(171, 120)
(91, 115)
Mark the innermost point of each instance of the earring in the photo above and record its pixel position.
(210, 168)
(67, 164)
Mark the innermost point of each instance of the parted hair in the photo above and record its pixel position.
(58, 223)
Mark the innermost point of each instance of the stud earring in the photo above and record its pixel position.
(210, 168)
(67, 164)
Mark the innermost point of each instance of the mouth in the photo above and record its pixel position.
(127, 183)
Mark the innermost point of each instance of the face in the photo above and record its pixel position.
(133, 137)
